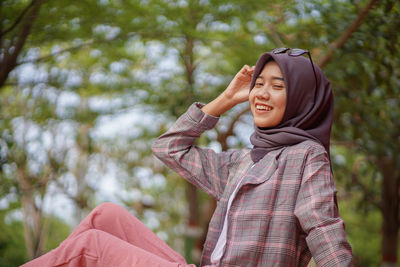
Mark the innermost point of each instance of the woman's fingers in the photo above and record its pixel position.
(251, 69)
(247, 70)
(245, 73)
(244, 69)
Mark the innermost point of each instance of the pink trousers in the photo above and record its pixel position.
(111, 236)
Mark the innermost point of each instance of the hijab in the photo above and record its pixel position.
(309, 106)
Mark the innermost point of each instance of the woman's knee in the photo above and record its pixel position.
(108, 207)
(107, 213)
(90, 234)
(87, 246)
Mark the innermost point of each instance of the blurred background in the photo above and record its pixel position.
(86, 87)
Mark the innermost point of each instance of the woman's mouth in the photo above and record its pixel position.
(263, 107)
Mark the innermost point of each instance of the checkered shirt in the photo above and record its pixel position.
(285, 210)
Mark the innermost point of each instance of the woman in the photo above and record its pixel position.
(276, 202)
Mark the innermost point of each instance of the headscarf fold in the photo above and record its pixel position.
(309, 106)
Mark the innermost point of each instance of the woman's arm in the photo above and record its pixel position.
(203, 167)
(317, 212)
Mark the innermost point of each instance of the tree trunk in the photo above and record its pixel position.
(9, 60)
(193, 229)
(33, 221)
(390, 212)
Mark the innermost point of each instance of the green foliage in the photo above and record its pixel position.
(158, 57)
(12, 244)
(363, 231)
(58, 230)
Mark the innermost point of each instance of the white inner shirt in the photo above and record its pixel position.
(220, 246)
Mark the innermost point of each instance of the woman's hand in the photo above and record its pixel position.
(238, 90)
(236, 93)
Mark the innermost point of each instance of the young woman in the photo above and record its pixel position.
(276, 202)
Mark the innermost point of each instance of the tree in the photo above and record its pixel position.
(368, 102)
(119, 52)
(35, 40)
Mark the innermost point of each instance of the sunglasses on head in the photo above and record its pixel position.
(295, 52)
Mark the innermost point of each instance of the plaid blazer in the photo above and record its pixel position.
(285, 209)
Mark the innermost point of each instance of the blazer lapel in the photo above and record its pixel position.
(263, 169)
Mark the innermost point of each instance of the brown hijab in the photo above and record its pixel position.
(309, 106)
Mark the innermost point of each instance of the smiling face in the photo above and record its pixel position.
(268, 96)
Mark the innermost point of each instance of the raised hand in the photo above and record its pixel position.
(237, 92)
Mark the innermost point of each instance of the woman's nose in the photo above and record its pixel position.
(263, 93)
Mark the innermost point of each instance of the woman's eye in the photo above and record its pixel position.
(278, 86)
(259, 84)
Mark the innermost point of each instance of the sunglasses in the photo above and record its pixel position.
(295, 52)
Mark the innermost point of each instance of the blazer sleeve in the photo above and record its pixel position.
(202, 167)
(317, 212)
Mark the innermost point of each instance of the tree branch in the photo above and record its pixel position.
(346, 35)
(45, 57)
(348, 144)
(275, 37)
(223, 136)
(18, 20)
(271, 27)
(88, 43)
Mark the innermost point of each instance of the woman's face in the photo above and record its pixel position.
(268, 97)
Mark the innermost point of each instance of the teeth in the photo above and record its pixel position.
(262, 107)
